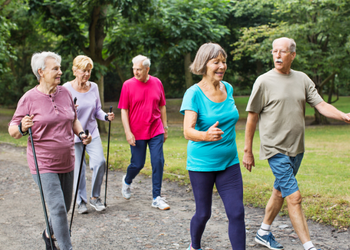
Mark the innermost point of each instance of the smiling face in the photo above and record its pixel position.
(140, 71)
(282, 57)
(216, 68)
(52, 73)
(83, 75)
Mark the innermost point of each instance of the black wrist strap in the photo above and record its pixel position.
(79, 135)
(106, 117)
(20, 130)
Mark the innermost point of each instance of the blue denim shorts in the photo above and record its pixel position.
(285, 168)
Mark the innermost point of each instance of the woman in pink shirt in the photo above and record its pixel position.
(54, 122)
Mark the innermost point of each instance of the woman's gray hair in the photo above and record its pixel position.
(39, 61)
(205, 53)
(292, 44)
(146, 62)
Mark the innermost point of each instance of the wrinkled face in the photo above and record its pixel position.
(140, 71)
(52, 73)
(216, 68)
(282, 57)
(83, 75)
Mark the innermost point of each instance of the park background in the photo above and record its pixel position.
(170, 32)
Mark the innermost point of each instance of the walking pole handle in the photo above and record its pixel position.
(75, 100)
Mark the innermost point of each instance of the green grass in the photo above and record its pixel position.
(323, 177)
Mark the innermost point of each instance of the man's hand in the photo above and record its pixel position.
(248, 161)
(131, 139)
(346, 118)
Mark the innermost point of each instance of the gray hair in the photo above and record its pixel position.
(205, 53)
(292, 44)
(146, 62)
(39, 61)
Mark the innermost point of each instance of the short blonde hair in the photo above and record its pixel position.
(205, 53)
(82, 62)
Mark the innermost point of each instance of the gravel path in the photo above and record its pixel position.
(132, 224)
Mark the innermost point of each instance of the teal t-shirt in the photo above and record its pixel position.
(205, 156)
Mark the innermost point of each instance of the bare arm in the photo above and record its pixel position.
(248, 157)
(190, 133)
(164, 121)
(331, 112)
(125, 120)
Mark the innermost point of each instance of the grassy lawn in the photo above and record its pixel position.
(324, 176)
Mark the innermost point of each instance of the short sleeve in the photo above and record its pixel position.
(21, 111)
(256, 99)
(312, 96)
(189, 101)
(124, 97)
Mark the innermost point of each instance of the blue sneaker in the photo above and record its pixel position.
(268, 241)
(189, 248)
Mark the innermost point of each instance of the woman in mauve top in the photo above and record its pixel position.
(88, 110)
(212, 158)
(54, 122)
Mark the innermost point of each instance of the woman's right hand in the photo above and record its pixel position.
(27, 122)
(214, 133)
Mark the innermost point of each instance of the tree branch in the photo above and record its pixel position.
(327, 79)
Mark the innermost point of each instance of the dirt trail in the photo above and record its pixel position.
(131, 224)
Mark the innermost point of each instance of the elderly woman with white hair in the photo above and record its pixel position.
(53, 119)
(88, 110)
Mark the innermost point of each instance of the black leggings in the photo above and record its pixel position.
(230, 187)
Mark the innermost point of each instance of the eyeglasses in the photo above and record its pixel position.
(283, 52)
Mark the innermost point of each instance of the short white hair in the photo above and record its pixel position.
(39, 61)
(146, 62)
(292, 44)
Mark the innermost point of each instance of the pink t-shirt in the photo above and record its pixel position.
(143, 101)
(52, 130)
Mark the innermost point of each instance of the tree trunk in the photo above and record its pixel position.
(120, 73)
(101, 124)
(319, 119)
(188, 74)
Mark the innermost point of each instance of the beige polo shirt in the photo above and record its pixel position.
(280, 101)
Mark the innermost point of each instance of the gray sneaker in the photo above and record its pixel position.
(126, 190)
(82, 209)
(97, 204)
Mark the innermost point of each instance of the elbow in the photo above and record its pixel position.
(186, 135)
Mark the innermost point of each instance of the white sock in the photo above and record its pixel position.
(264, 229)
(309, 246)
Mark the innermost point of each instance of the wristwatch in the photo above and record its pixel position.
(20, 129)
(106, 117)
(166, 127)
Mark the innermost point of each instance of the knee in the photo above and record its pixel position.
(203, 217)
(294, 199)
(236, 214)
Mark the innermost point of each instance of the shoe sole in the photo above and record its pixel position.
(84, 212)
(266, 245)
(97, 209)
(166, 208)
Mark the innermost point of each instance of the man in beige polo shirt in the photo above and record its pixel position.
(278, 102)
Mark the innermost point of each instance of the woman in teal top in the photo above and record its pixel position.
(212, 158)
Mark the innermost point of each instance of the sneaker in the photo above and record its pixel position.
(189, 248)
(268, 241)
(126, 191)
(82, 209)
(47, 242)
(160, 203)
(97, 204)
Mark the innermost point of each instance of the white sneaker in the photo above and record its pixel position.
(126, 191)
(160, 203)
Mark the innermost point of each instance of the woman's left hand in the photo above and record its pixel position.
(110, 116)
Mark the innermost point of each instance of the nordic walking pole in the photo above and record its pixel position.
(109, 135)
(40, 187)
(76, 190)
